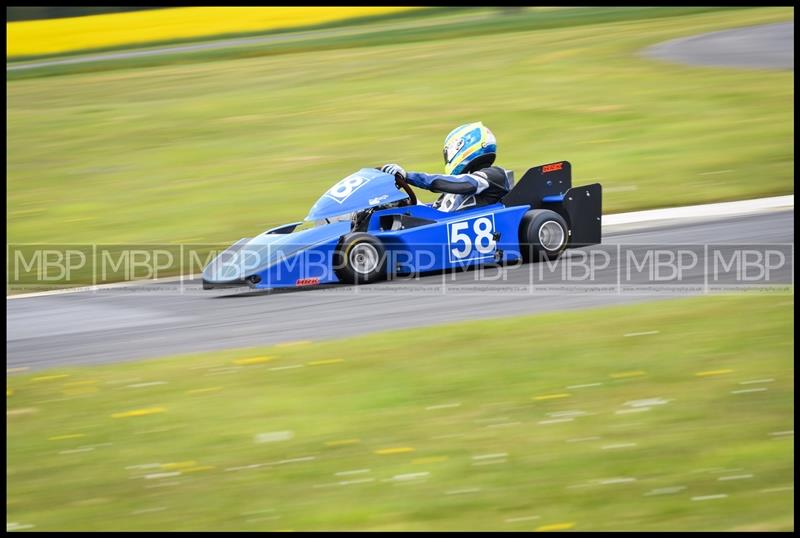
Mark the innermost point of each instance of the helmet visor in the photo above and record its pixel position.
(452, 148)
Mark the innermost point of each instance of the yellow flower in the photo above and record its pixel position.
(70, 34)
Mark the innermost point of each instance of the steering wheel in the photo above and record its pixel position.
(403, 184)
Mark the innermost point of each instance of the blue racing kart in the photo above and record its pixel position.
(369, 226)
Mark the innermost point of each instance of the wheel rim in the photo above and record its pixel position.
(364, 258)
(551, 235)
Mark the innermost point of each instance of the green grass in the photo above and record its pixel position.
(454, 394)
(217, 150)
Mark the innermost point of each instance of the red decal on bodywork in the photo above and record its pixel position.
(552, 167)
(307, 282)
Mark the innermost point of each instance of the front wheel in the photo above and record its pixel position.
(543, 234)
(360, 259)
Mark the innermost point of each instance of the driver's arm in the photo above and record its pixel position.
(474, 183)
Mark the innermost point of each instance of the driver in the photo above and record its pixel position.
(470, 180)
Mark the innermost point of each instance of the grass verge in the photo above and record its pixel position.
(674, 415)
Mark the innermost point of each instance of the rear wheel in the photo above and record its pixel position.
(543, 234)
(360, 259)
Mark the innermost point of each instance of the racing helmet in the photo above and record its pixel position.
(471, 145)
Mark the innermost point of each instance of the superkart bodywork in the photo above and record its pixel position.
(414, 238)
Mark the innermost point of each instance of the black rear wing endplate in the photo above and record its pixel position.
(584, 208)
(549, 186)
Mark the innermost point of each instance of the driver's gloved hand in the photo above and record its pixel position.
(394, 169)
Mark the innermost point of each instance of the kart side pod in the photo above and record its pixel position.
(549, 186)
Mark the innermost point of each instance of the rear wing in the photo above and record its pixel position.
(549, 186)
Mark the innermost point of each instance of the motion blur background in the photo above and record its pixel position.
(202, 125)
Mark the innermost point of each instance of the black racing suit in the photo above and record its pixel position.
(487, 185)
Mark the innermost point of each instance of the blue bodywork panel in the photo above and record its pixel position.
(366, 188)
(279, 260)
(456, 239)
(450, 240)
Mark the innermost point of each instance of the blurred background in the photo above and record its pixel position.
(198, 145)
(200, 125)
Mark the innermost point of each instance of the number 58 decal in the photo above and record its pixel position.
(471, 239)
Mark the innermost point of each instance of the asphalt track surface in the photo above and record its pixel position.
(768, 46)
(146, 321)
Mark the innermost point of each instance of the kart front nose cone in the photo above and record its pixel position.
(226, 266)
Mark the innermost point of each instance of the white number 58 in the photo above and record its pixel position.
(483, 240)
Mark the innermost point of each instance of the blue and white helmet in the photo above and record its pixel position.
(467, 143)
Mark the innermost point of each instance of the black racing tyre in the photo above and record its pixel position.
(543, 234)
(360, 259)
